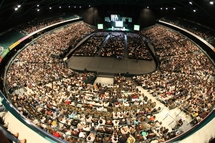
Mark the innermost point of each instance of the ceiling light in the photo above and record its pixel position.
(69, 6)
(38, 5)
(211, 2)
(166, 8)
(74, 6)
(190, 3)
(16, 9)
(50, 7)
(147, 6)
(38, 9)
(194, 10)
(18, 6)
(89, 5)
(79, 6)
(59, 6)
(174, 8)
(161, 8)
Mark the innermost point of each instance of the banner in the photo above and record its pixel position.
(3, 52)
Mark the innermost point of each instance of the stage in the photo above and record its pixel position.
(108, 65)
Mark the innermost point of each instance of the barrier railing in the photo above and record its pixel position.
(28, 123)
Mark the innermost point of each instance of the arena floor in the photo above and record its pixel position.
(111, 65)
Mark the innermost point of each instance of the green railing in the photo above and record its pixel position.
(26, 122)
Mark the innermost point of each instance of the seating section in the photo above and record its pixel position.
(186, 76)
(68, 105)
(92, 45)
(114, 46)
(41, 62)
(202, 31)
(36, 25)
(137, 48)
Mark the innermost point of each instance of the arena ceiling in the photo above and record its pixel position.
(14, 9)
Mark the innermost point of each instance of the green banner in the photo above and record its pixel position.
(3, 52)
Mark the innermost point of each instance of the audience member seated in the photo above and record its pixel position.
(7, 136)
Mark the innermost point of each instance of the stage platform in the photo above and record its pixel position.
(111, 65)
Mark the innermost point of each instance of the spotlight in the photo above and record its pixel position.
(18, 6)
(50, 7)
(211, 2)
(161, 8)
(69, 6)
(190, 3)
(194, 10)
(166, 8)
(38, 5)
(174, 8)
(38, 9)
(59, 6)
(15, 8)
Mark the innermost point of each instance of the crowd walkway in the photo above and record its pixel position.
(168, 117)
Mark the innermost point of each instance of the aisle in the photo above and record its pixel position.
(15, 126)
(166, 116)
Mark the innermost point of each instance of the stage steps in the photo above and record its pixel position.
(104, 81)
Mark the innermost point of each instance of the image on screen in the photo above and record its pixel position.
(107, 19)
(123, 19)
(129, 19)
(118, 23)
(114, 17)
(137, 27)
(100, 26)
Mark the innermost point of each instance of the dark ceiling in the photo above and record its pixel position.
(30, 7)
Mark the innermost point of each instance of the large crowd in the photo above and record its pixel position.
(137, 49)
(35, 25)
(185, 77)
(40, 62)
(202, 31)
(69, 106)
(91, 46)
(114, 44)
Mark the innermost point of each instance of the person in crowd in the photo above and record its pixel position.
(2, 108)
(3, 138)
(9, 136)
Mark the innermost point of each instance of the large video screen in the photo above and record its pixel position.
(107, 19)
(127, 19)
(137, 27)
(118, 23)
(100, 26)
